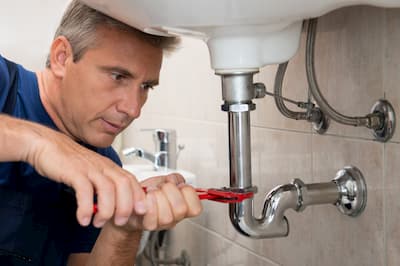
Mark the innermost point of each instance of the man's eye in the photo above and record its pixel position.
(117, 76)
(146, 86)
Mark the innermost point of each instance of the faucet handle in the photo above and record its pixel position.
(164, 139)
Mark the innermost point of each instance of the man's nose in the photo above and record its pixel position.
(131, 103)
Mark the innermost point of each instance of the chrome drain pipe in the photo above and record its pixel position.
(347, 190)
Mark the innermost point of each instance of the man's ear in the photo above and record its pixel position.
(60, 54)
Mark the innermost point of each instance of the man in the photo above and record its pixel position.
(55, 147)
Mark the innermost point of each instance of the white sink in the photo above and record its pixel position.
(144, 171)
(241, 35)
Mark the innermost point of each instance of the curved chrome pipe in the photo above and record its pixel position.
(272, 222)
(347, 190)
(237, 92)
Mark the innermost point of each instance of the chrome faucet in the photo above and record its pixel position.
(165, 156)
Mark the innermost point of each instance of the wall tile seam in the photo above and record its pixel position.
(179, 118)
(218, 123)
(348, 137)
(393, 142)
(281, 129)
(273, 129)
(385, 253)
(311, 170)
(224, 238)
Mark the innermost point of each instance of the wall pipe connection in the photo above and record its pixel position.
(382, 117)
(347, 190)
(313, 114)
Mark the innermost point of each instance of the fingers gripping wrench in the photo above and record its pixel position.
(223, 195)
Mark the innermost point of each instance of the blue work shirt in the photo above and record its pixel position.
(38, 223)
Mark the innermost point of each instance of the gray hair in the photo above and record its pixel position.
(79, 24)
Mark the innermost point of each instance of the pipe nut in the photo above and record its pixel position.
(238, 107)
(301, 192)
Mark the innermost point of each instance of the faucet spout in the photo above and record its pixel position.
(139, 153)
(159, 160)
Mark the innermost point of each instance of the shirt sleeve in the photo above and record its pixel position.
(4, 82)
(84, 239)
(112, 154)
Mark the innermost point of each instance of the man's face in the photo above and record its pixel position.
(104, 91)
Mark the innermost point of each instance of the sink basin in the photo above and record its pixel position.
(144, 171)
(239, 34)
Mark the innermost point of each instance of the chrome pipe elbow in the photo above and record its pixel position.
(272, 222)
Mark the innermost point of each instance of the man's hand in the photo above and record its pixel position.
(169, 200)
(58, 157)
(118, 192)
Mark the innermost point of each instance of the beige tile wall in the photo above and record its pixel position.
(357, 62)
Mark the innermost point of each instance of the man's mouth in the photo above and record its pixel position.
(111, 127)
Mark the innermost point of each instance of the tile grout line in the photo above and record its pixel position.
(272, 129)
(313, 180)
(385, 253)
